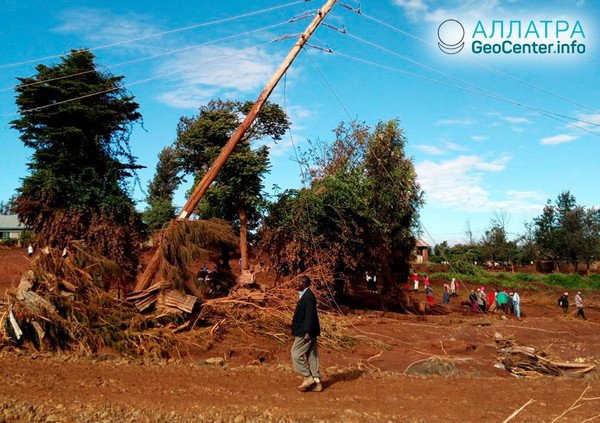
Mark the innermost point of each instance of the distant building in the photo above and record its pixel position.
(422, 251)
(10, 227)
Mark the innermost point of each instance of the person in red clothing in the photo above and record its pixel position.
(492, 300)
(429, 295)
(425, 280)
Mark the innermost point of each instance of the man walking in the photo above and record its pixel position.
(563, 302)
(579, 304)
(305, 329)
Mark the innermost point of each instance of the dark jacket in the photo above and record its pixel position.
(305, 318)
(563, 301)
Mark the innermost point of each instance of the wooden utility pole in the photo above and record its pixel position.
(210, 176)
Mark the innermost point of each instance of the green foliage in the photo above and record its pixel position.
(26, 237)
(358, 213)
(161, 190)
(160, 213)
(467, 254)
(6, 207)
(81, 158)
(522, 280)
(568, 232)
(9, 242)
(237, 191)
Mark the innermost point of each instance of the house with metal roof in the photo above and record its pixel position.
(10, 227)
(422, 249)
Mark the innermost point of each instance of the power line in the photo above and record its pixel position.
(503, 74)
(482, 93)
(408, 59)
(148, 57)
(162, 75)
(159, 34)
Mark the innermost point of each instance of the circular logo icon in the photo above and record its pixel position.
(451, 34)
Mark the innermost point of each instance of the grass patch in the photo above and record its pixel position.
(523, 280)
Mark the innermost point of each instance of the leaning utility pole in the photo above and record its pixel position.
(210, 176)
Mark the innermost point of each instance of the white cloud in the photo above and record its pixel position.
(517, 129)
(421, 10)
(512, 119)
(460, 184)
(101, 27)
(192, 76)
(190, 97)
(430, 149)
(218, 69)
(558, 139)
(479, 138)
(526, 195)
(588, 121)
(455, 147)
(455, 122)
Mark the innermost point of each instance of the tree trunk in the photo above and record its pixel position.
(243, 234)
(587, 268)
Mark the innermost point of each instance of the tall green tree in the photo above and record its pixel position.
(77, 120)
(590, 247)
(358, 214)
(567, 232)
(496, 246)
(237, 193)
(162, 189)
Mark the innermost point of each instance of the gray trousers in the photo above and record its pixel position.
(310, 348)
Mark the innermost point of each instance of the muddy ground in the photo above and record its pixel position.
(255, 381)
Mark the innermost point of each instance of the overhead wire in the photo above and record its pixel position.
(503, 74)
(462, 81)
(494, 96)
(159, 34)
(154, 56)
(159, 76)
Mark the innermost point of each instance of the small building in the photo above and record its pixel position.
(422, 248)
(10, 227)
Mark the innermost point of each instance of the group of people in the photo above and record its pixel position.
(306, 328)
(563, 302)
(206, 274)
(371, 281)
(508, 303)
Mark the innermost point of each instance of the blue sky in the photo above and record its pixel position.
(489, 133)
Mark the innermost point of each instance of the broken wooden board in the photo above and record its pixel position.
(521, 360)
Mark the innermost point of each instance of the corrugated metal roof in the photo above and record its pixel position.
(422, 243)
(10, 221)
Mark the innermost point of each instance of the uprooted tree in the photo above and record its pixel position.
(358, 212)
(77, 120)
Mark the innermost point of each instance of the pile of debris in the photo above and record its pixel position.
(58, 306)
(168, 282)
(526, 361)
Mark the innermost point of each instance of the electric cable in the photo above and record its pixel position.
(166, 53)
(158, 34)
(547, 113)
(503, 74)
(162, 75)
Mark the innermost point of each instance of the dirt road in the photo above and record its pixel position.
(365, 384)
